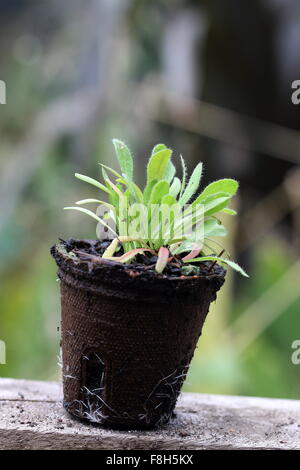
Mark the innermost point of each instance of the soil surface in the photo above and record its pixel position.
(91, 251)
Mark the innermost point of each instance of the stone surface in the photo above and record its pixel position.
(31, 417)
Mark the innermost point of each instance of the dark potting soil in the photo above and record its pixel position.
(91, 251)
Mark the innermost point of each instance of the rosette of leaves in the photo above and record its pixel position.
(163, 188)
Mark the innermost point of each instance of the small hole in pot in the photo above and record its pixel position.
(93, 372)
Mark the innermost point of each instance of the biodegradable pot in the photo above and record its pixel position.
(128, 338)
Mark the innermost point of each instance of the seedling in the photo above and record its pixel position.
(169, 218)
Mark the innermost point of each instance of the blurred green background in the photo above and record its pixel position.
(214, 85)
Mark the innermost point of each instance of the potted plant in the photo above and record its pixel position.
(135, 299)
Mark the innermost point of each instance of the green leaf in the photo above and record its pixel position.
(112, 209)
(89, 180)
(164, 229)
(114, 172)
(229, 211)
(193, 185)
(184, 175)
(214, 228)
(158, 148)
(157, 164)
(91, 214)
(209, 198)
(113, 196)
(182, 247)
(170, 172)
(115, 188)
(186, 223)
(175, 187)
(124, 157)
(148, 190)
(169, 200)
(89, 201)
(104, 175)
(235, 266)
(227, 185)
(230, 263)
(135, 191)
(159, 191)
(214, 206)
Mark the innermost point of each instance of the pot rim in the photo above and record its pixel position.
(121, 281)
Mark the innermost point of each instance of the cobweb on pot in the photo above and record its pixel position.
(162, 399)
(92, 406)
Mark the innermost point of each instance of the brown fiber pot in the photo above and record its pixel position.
(127, 339)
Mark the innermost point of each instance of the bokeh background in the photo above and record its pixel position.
(213, 82)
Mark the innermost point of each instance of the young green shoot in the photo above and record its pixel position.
(170, 218)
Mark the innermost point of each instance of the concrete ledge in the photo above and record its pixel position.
(31, 417)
